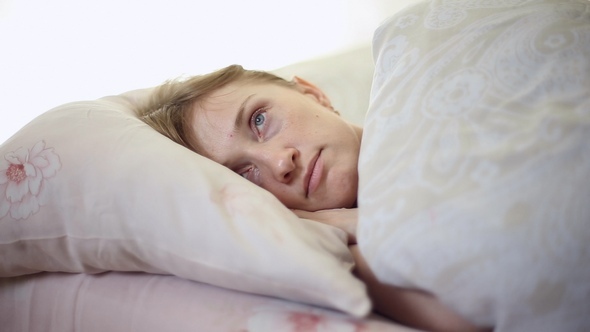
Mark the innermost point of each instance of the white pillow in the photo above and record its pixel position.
(88, 187)
(475, 160)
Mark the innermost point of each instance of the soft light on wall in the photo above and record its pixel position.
(53, 52)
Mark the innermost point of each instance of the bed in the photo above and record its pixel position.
(474, 186)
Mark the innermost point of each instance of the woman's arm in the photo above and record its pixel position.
(411, 307)
(345, 219)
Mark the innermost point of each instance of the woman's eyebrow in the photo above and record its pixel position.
(240, 114)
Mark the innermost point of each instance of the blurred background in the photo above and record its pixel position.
(54, 52)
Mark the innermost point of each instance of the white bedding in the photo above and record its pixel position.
(475, 163)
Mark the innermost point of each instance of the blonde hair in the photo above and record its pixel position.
(168, 111)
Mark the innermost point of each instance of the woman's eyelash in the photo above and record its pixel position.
(244, 173)
(250, 173)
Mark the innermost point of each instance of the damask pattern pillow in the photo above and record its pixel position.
(88, 187)
(475, 161)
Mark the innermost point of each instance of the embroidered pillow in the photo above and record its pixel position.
(88, 187)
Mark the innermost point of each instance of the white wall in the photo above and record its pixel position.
(53, 52)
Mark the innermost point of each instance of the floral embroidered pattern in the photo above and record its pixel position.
(406, 21)
(23, 177)
(288, 318)
(444, 16)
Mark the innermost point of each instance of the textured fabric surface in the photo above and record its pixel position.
(88, 187)
(139, 302)
(475, 163)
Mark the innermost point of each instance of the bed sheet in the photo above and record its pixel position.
(127, 302)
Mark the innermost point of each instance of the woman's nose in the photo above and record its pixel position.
(282, 164)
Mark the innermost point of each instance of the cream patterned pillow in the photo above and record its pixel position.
(475, 160)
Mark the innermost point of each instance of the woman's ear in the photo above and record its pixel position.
(310, 89)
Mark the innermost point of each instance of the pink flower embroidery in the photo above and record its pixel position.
(283, 318)
(304, 321)
(23, 177)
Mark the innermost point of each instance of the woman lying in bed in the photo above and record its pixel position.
(286, 137)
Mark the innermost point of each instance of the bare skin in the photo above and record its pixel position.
(286, 140)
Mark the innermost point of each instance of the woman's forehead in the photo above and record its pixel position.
(225, 94)
(238, 89)
(213, 119)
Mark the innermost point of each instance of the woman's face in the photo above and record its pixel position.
(286, 140)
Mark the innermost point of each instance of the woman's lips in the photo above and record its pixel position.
(314, 175)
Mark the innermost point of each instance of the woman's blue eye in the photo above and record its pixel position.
(259, 120)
